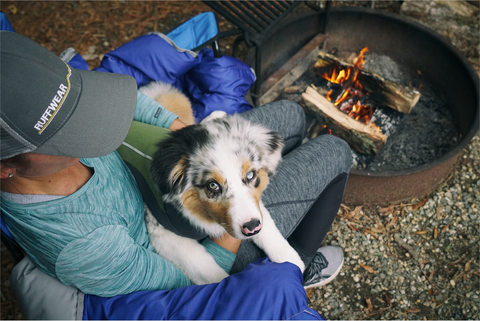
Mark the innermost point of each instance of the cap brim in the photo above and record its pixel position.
(101, 119)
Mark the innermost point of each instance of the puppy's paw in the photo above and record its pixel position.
(288, 255)
(295, 259)
(214, 275)
(214, 115)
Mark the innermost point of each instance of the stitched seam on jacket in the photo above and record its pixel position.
(304, 311)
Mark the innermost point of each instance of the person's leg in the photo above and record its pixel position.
(316, 223)
(284, 117)
(306, 191)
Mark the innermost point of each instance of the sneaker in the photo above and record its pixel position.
(325, 266)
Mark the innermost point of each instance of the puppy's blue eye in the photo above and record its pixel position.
(250, 175)
(213, 186)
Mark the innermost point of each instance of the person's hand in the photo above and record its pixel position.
(227, 242)
(177, 124)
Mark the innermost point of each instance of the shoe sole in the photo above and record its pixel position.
(325, 282)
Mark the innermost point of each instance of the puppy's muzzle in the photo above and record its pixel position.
(251, 228)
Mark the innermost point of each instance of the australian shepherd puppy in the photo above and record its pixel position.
(214, 173)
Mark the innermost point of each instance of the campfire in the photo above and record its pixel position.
(353, 98)
(368, 99)
(349, 99)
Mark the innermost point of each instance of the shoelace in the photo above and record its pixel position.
(319, 263)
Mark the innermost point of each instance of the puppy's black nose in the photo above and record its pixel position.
(252, 227)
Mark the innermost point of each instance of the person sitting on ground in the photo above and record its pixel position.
(74, 207)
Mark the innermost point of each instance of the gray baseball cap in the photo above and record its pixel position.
(48, 107)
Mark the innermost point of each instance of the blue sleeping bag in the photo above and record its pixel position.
(262, 291)
(210, 83)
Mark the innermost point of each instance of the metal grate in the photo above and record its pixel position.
(253, 20)
(253, 17)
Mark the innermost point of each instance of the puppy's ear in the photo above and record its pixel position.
(168, 168)
(175, 181)
(270, 145)
(171, 161)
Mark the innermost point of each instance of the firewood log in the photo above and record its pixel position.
(366, 139)
(386, 92)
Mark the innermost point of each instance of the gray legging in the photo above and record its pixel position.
(305, 193)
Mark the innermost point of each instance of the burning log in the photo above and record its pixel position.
(364, 138)
(383, 91)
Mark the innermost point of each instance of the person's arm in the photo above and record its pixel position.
(227, 242)
(150, 112)
(177, 124)
(108, 262)
(221, 252)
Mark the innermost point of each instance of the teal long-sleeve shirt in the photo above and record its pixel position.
(150, 112)
(96, 239)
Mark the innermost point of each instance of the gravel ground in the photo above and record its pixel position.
(408, 261)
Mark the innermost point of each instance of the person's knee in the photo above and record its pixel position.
(292, 113)
(343, 151)
(338, 150)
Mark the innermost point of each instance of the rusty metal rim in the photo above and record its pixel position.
(395, 190)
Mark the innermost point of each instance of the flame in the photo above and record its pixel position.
(343, 98)
(329, 94)
(348, 100)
